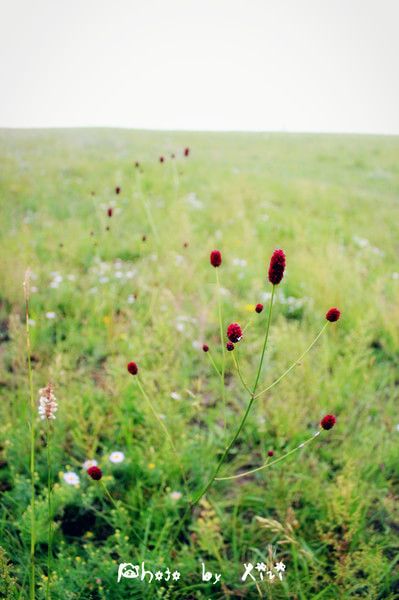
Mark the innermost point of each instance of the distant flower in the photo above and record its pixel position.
(205, 347)
(216, 258)
(234, 332)
(151, 466)
(131, 299)
(175, 396)
(277, 266)
(71, 478)
(270, 453)
(117, 190)
(132, 368)
(95, 473)
(172, 155)
(259, 308)
(328, 422)
(161, 159)
(51, 315)
(116, 457)
(137, 164)
(230, 346)
(333, 315)
(109, 212)
(89, 463)
(175, 495)
(186, 151)
(31, 322)
(47, 403)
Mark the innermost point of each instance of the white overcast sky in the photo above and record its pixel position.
(296, 65)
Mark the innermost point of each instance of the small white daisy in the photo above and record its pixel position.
(71, 478)
(175, 396)
(89, 463)
(175, 496)
(116, 457)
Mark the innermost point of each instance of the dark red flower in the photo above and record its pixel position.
(277, 266)
(216, 258)
(259, 308)
(230, 346)
(205, 347)
(328, 422)
(109, 212)
(333, 315)
(172, 155)
(270, 453)
(186, 151)
(132, 368)
(95, 473)
(117, 190)
(234, 332)
(161, 159)
(144, 238)
(137, 164)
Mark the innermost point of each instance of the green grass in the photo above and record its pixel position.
(330, 511)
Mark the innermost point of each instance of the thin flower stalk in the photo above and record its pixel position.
(146, 206)
(163, 426)
(273, 462)
(223, 367)
(237, 366)
(246, 413)
(269, 387)
(32, 443)
(212, 361)
(49, 522)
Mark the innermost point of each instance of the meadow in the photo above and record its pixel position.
(119, 275)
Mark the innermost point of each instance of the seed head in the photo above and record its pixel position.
(215, 258)
(230, 346)
(328, 422)
(333, 315)
(95, 473)
(234, 332)
(259, 308)
(47, 403)
(132, 368)
(277, 266)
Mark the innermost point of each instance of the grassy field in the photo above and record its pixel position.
(139, 286)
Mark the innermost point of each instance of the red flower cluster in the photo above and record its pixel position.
(132, 368)
(109, 212)
(230, 346)
(161, 159)
(95, 473)
(328, 422)
(234, 332)
(215, 258)
(117, 190)
(259, 308)
(186, 151)
(277, 266)
(270, 453)
(333, 315)
(205, 347)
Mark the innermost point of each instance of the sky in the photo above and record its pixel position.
(256, 65)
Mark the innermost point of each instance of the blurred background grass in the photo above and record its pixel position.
(147, 293)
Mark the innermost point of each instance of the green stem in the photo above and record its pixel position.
(49, 537)
(32, 444)
(213, 363)
(235, 358)
(273, 462)
(163, 426)
(244, 418)
(222, 375)
(293, 364)
(108, 494)
(146, 207)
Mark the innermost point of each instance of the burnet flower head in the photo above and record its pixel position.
(47, 403)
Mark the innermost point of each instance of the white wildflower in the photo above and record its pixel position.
(116, 457)
(89, 463)
(47, 403)
(175, 496)
(71, 478)
(51, 315)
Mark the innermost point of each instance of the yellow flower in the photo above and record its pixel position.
(151, 466)
(106, 320)
(250, 307)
